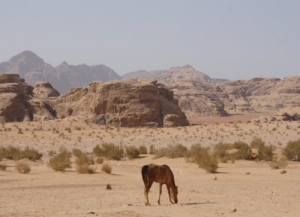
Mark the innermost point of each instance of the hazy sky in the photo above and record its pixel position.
(234, 39)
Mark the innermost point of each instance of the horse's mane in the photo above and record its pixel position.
(171, 173)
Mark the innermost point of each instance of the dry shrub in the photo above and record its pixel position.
(61, 161)
(152, 149)
(99, 160)
(51, 153)
(203, 158)
(109, 151)
(22, 167)
(15, 153)
(132, 152)
(3, 167)
(220, 150)
(265, 152)
(244, 151)
(31, 154)
(77, 152)
(292, 150)
(283, 172)
(84, 159)
(256, 142)
(143, 150)
(106, 168)
(85, 169)
(171, 152)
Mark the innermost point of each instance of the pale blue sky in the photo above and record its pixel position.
(234, 39)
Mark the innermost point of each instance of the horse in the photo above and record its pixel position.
(161, 174)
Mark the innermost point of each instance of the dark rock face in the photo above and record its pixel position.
(63, 77)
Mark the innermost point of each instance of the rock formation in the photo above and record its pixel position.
(240, 96)
(198, 98)
(126, 103)
(186, 72)
(63, 77)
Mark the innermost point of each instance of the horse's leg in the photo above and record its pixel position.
(169, 194)
(147, 189)
(160, 190)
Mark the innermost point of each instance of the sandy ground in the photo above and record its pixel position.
(250, 188)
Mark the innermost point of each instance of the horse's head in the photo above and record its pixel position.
(174, 192)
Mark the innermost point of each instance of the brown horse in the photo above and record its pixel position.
(161, 174)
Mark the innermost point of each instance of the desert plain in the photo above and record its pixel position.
(243, 188)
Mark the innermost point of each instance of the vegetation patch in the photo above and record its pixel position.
(22, 168)
(109, 151)
(292, 150)
(132, 152)
(106, 168)
(61, 161)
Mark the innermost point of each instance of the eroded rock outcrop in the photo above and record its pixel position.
(127, 103)
(17, 102)
(198, 98)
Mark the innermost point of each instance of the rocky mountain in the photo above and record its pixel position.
(258, 94)
(127, 102)
(141, 74)
(186, 72)
(63, 77)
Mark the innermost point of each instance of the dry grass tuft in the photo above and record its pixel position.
(85, 169)
(173, 151)
(99, 160)
(61, 161)
(15, 153)
(143, 150)
(109, 151)
(106, 168)
(132, 152)
(22, 168)
(292, 150)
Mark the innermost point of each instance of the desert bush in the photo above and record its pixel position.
(265, 152)
(203, 158)
(173, 151)
(244, 151)
(3, 167)
(61, 161)
(84, 159)
(220, 150)
(152, 149)
(31, 154)
(99, 160)
(143, 149)
(109, 151)
(10, 152)
(85, 169)
(15, 153)
(106, 168)
(22, 167)
(77, 152)
(132, 152)
(292, 150)
(256, 142)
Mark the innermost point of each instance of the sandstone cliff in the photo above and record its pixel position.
(127, 103)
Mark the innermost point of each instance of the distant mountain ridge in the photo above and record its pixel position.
(142, 73)
(186, 72)
(63, 77)
(173, 74)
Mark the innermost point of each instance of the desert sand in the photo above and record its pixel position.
(243, 188)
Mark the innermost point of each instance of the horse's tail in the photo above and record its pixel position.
(144, 173)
